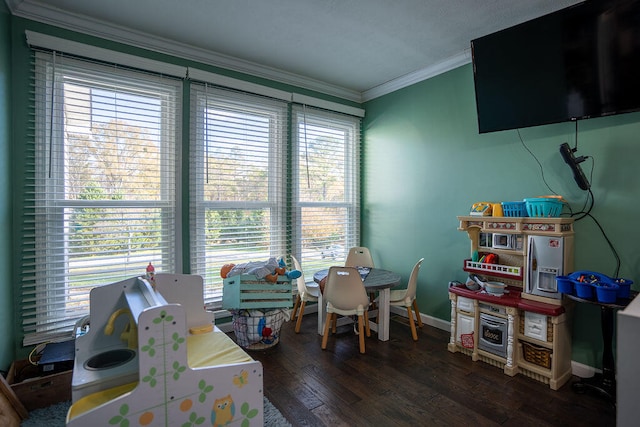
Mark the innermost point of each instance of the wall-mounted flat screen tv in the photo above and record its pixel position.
(579, 62)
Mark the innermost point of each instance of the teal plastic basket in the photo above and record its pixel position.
(543, 207)
(514, 209)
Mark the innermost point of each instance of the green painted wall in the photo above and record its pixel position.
(6, 290)
(425, 163)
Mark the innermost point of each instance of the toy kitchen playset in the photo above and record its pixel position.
(511, 313)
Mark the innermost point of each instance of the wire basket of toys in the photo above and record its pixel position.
(258, 329)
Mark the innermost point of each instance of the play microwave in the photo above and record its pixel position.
(507, 241)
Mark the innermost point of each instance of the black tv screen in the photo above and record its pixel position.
(579, 62)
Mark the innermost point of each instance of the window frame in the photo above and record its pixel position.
(46, 282)
(302, 116)
(204, 97)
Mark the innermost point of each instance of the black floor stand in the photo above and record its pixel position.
(603, 384)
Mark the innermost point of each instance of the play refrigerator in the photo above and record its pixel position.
(546, 257)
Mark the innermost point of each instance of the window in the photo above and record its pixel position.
(101, 203)
(327, 210)
(253, 198)
(238, 181)
(102, 198)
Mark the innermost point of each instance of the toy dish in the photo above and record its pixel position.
(494, 288)
(472, 286)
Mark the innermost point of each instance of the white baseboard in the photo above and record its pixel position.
(427, 320)
(578, 369)
(583, 371)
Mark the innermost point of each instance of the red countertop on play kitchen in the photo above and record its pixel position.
(510, 299)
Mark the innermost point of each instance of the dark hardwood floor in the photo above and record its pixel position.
(402, 382)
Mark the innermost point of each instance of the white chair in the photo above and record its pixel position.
(359, 256)
(306, 293)
(407, 298)
(345, 295)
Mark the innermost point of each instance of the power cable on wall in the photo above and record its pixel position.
(589, 200)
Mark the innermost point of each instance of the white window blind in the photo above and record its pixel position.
(100, 196)
(238, 181)
(327, 186)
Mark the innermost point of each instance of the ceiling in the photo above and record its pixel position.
(352, 49)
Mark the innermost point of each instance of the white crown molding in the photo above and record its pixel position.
(41, 12)
(327, 105)
(456, 61)
(58, 44)
(84, 50)
(13, 5)
(46, 14)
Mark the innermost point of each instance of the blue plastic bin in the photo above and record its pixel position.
(584, 290)
(606, 293)
(624, 287)
(565, 285)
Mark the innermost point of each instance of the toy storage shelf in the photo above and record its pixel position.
(248, 292)
(527, 225)
(496, 270)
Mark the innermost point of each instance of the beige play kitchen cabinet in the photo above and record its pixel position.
(523, 331)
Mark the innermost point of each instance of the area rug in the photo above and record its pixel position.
(55, 416)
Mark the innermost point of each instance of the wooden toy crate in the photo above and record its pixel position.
(36, 391)
(246, 291)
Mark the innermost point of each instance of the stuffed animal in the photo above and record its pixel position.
(268, 270)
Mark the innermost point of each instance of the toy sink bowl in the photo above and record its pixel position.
(109, 359)
(494, 288)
